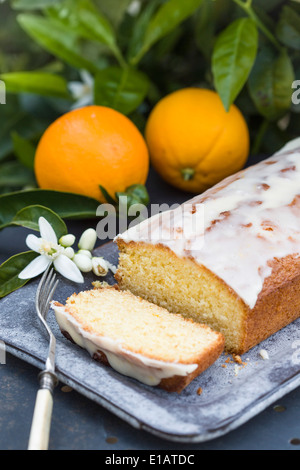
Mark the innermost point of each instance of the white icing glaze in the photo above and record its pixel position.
(147, 370)
(237, 227)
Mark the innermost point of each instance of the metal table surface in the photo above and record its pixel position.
(80, 424)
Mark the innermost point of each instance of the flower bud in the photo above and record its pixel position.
(67, 240)
(69, 252)
(84, 263)
(100, 266)
(88, 239)
(85, 253)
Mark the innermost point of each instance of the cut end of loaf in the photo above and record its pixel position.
(139, 338)
(178, 284)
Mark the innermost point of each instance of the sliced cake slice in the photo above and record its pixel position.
(138, 338)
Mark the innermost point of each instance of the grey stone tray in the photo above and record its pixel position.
(231, 395)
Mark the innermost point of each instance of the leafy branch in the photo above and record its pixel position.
(247, 7)
(238, 47)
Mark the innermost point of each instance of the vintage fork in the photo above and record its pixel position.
(41, 422)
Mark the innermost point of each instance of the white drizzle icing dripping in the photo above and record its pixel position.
(237, 227)
(145, 369)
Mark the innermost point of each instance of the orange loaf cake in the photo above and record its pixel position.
(138, 338)
(229, 257)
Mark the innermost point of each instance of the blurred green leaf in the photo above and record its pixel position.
(98, 26)
(107, 196)
(41, 83)
(168, 16)
(53, 37)
(205, 28)
(29, 218)
(100, 29)
(134, 194)
(139, 28)
(288, 28)
(121, 89)
(24, 150)
(33, 4)
(233, 57)
(66, 205)
(270, 83)
(68, 15)
(139, 191)
(267, 5)
(10, 270)
(13, 174)
(114, 10)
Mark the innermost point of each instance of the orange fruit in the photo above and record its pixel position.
(88, 147)
(193, 142)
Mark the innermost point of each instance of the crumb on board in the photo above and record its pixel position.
(199, 390)
(238, 359)
(264, 354)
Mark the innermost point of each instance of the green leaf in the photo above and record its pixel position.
(10, 269)
(205, 25)
(135, 194)
(41, 83)
(288, 28)
(69, 16)
(24, 150)
(66, 205)
(98, 26)
(15, 175)
(33, 4)
(107, 196)
(270, 83)
(29, 218)
(139, 28)
(168, 16)
(120, 89)
(233, 57)
(54, 37)
(99, 29)
(114, 10)
(140, 192)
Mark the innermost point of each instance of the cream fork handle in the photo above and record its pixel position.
(41, 422)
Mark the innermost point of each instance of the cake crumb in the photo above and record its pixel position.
(66, 389)
(264, 354)
(199, 391)
(224, 366)
(238, 359)
(99, 284)
(236, 369)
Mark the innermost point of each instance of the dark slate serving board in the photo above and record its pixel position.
(230, 396)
